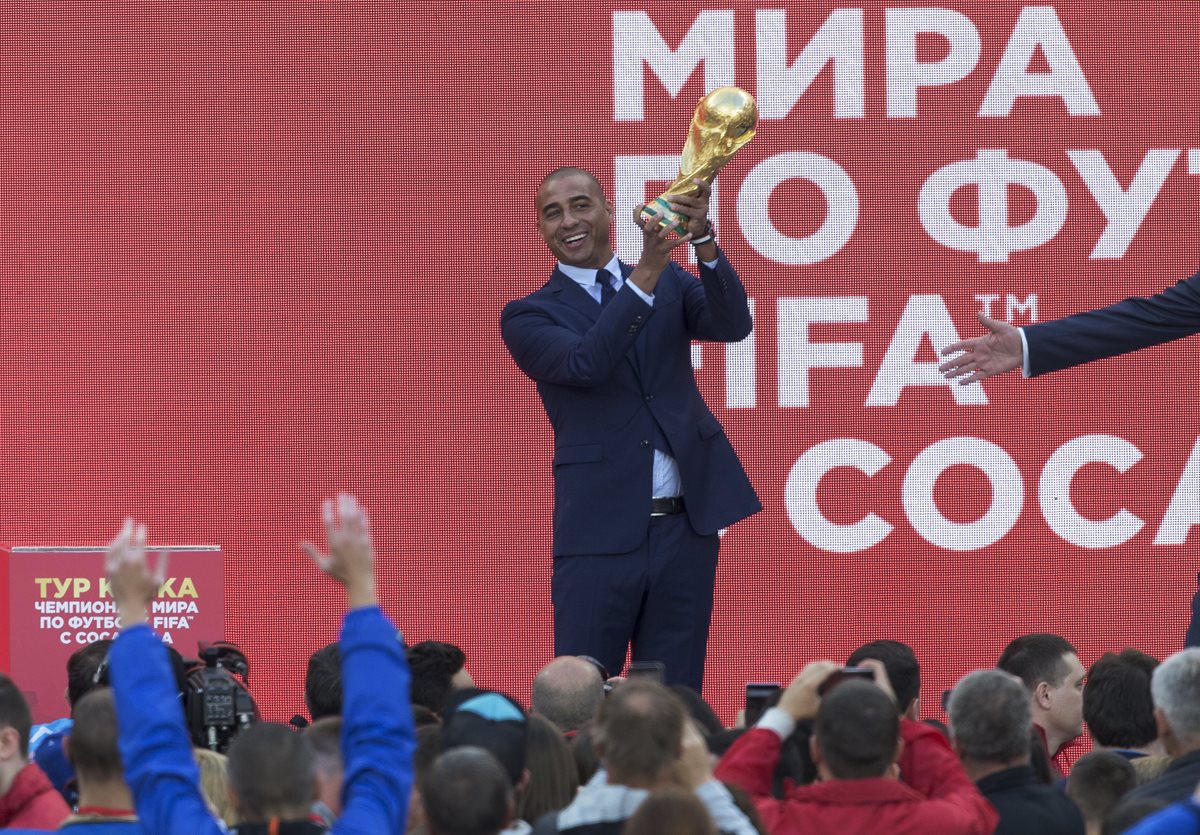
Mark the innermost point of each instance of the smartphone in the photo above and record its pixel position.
(646, 669)
(838, 676)
(758, 698)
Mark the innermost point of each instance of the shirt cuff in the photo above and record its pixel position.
(779, 721)
(1024, 353)
(648, 298)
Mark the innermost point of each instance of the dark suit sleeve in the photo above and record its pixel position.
(1126, 326)
(548, 351)
(716, 307)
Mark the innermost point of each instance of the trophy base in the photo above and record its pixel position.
(659, 211)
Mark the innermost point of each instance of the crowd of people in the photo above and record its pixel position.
(401, 740)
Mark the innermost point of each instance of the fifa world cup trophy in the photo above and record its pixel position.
(724, 121)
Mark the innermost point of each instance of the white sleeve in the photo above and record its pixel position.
(725, 814)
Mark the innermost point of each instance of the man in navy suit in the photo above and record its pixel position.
(644, 476)
(1128, 325)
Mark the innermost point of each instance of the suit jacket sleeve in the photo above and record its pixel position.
(716, 306)
(1126, 326)
(549, 351)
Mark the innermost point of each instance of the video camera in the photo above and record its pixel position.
(217, 701)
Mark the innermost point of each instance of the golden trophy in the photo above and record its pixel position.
(724, 121)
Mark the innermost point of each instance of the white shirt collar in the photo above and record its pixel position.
(586, 278)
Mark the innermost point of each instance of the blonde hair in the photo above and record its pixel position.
(214, 783)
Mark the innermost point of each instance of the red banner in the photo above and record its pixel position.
(257, 254)
(59, 601)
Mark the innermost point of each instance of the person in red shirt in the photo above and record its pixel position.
(877, 772)
(27, 798)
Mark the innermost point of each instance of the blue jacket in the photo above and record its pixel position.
(1128, 325)
(377, 732)
(1178, 819)
(76, 825)
(615, 380)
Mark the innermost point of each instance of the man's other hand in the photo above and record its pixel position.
(984, 356)
(351, 557)
(134, 585)
(694, 767)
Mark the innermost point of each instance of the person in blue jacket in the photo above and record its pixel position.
(271, 769)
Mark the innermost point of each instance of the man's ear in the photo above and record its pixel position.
(523, 783)
(1042, 695)
(899, 749)
(10, 743)
(67, 752)
(814, 750)
(914, 710)
(1160, 722)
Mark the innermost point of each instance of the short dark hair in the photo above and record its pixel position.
(92, 748)
(900, 661)
(857, 730)
(14, 713)
(325, 737)
(1098, 781)
(670, 811)
(1117, 705)
(570, 170)
(466, 792)
(1037, 657)
(82, 667)
(433, 664)
(323, 683)
(639, 729)
(990, 718)
(698, 709)
(272, 770)
(1131, 810)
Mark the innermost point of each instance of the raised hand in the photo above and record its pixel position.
(351, 557)
(133, 583)
(984, 356)
(694, 207)
(801, 699)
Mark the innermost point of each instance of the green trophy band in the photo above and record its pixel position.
(724, 121)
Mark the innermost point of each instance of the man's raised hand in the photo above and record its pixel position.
(984, 356)
(801, 699)
(351, 557)
(133, 584)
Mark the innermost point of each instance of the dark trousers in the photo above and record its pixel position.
(655, 600)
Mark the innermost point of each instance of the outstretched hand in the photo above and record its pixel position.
(351, 557)
(132, 581)
(984, 356)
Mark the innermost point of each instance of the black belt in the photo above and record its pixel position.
(667, 506)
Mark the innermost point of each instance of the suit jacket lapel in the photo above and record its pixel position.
(571, 294)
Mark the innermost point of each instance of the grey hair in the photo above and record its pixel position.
(1175, 689)
(990, 717)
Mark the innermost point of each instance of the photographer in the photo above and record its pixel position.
(271, 768)
(858, 741)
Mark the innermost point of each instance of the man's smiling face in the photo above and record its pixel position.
(574, 220)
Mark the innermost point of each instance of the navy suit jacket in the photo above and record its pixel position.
(606, 376)
(1126, 326)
